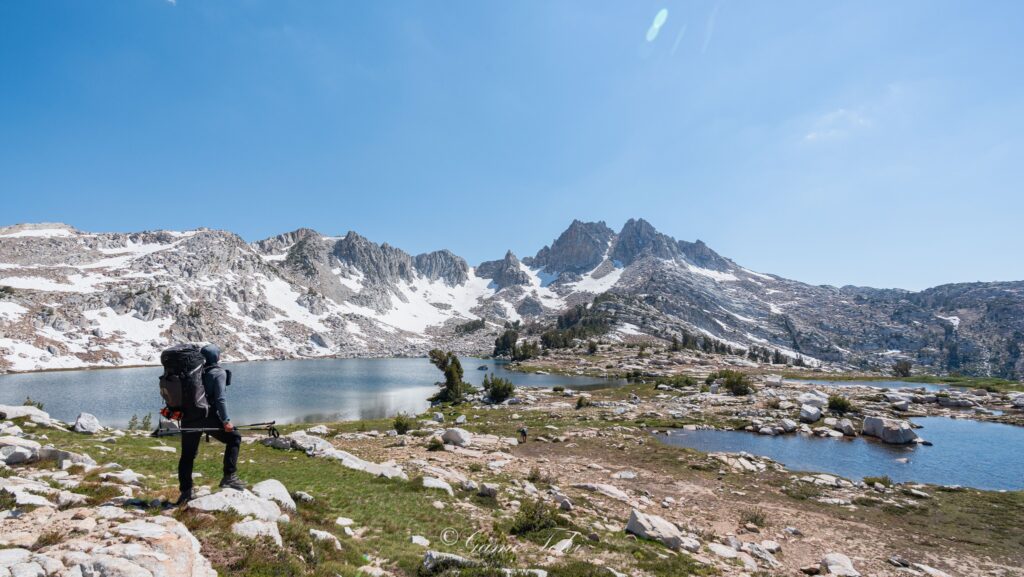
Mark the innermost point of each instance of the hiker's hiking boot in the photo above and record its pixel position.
(185, 497)
(232, 482)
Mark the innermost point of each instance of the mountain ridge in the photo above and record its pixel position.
(304, 294)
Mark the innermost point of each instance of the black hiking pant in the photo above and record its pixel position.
(190, 448)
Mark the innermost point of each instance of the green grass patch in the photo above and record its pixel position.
(391, 511)
(803, 491)
(755, 516)
(671, 566)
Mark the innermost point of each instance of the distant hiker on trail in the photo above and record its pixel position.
(213, 415)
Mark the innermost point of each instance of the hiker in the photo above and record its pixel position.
(522, 434)
(215, 382)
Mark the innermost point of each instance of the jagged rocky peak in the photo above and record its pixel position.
(701, 255)
(282, 242)
(443, 264)
(505, 272)
(379, 262)
(206, 252)
(639, 239)
(577, 250)
(309, 256)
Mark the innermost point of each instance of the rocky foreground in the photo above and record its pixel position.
(589, 493)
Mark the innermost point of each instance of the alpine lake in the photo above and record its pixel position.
(965, 452)
(292, 391)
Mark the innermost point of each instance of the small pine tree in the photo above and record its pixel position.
(147, 420)
(133, 423)
(404, 423)
(902, 368)
(498, 389)
(675, 344)
(505, 345)
(453, 389)
(592, 348)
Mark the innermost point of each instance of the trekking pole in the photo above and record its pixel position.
(269, 426)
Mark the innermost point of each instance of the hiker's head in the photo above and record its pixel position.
(211, 353)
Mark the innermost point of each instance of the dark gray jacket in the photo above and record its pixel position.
(215, 381)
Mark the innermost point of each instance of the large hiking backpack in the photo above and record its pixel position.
(181, 385)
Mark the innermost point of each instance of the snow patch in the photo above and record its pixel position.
(539, 281)
(76, 283)
(280, 295)
(11, 311)
(757, 274)
(418, 311)
(39, 233)
(355, 282)
(596, 285)
(629, 329)
(714, 275)
(130, 327)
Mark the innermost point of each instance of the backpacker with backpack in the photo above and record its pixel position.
(181, 385)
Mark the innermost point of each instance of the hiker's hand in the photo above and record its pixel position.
(228, 427)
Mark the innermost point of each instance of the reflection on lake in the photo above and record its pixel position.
(965, 452)
(288, 391)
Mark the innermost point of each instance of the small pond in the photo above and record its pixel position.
(965, 452)
(877, 384)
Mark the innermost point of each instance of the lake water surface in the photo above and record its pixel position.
(878, 384)
(285, 391)
(965, 452)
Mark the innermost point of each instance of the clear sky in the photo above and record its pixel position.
(842, 142)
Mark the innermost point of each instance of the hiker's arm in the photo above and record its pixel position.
(220, 403)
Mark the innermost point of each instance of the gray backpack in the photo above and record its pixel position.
(181, 385)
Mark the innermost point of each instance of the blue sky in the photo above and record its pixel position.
(873, 143)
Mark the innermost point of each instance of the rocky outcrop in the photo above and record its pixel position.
(242, 503)
(115, 543)
(701, 255)
(504, 273)
(444, 265)
(809, 413)
(439, 484)
(457, 437)
(577, 250)
(381, 263)
(889, 430)
(87, 423)
(255, 528)
(274, 490)
(657, 529)
(639, 239)
(15, 450)
(838, 564)
(322, 448)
